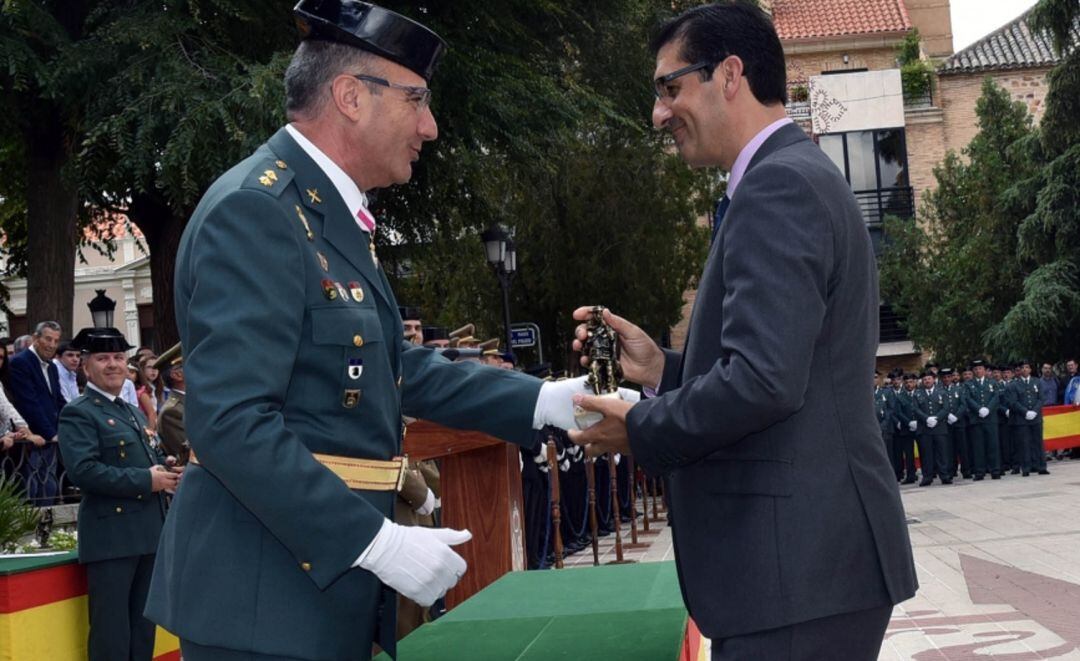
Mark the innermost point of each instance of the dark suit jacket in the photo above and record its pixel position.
(784, 505)
(39, 407)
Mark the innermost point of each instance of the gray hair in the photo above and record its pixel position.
(51, 325)
(22, 342)
(314, 65)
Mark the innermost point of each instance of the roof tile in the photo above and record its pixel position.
(1012, 46)
(814, 19)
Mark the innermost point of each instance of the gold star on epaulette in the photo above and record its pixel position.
(265, 181)
(271, 174)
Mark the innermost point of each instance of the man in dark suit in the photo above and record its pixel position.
(35, 389)
(764, 427)
(281, 542)
(114, 457)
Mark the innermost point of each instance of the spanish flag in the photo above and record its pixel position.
(1061, 427)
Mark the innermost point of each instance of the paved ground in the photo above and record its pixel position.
(998, 565)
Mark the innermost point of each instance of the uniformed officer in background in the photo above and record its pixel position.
(113, 457)
(1025, 420)
(904, 440)
(982, 395)
(958, 422)
(931, 404)
(171, 420)
(884, 409)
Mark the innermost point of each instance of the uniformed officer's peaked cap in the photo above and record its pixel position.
(409, 312)
(946, 371)
(910, 375)
(172, 357)
(925, 373)
(435, 333)
(978, 362)
(1022, 362)
(100, 340)
(374, 29)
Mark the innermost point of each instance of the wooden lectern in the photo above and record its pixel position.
(480, 482)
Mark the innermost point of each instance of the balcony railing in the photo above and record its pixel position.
(890, 325)
(919, 101)
(878, 203)
(798, 111)
(42, 478)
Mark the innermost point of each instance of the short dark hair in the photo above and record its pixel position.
(713, 32)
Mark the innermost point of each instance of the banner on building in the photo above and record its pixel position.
(860, 101)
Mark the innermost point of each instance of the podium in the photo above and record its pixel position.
(480, 480)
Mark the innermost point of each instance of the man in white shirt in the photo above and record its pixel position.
(67, 367)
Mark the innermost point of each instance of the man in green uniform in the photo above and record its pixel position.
(982, 396)
(281, 543)
(931, 404)
(958, 423)
(114, 458)
(1009, 460)
(906, 426)
(884, 410)
(1024, 401)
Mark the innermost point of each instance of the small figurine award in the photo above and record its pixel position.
(604, 372)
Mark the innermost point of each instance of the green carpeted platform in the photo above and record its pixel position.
(625, 612)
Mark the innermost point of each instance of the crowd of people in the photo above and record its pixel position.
(42, 373)
(969, 423)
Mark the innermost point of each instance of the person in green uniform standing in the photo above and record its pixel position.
(906, 425)
(281, 543)
(1024, 402)
(931, 404)
(115, 459)
(982, 396)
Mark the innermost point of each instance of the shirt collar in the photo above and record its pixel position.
(747, 153)
(110, 397)
(32, 349)
(354, 198)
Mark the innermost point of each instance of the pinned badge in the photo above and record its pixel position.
(329, 290)
(351, 398)
(110, 422)
(341, 290)
(322, 261)
(313, 193)
(281, 164)
(356, 368)
(356, 291)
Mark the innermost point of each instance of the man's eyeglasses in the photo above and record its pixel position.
(420, 96)
(660, 85)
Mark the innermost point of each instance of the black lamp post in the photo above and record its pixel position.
(502, 256)
(101, 309)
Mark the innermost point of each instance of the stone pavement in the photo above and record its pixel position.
(999, 570)
(998, 564)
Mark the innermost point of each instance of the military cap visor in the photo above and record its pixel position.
(100, 340)
(374, 29)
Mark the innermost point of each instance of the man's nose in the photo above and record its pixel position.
(428, 128)
(661, 114)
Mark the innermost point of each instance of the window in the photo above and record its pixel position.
(875, 165)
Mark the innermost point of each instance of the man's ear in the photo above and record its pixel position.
(730, 72)
(350, 96)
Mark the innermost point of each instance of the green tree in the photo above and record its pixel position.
(954, 274)
(1045, 321)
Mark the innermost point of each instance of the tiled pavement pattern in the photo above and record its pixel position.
(998, 565)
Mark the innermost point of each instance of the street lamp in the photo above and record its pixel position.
(502, 256)
(101, 309)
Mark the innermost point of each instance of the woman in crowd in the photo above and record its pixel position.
(148, 387)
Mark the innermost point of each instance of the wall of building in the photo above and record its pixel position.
(934, 22)
(957, 94)
(802, 65)
(925, 134)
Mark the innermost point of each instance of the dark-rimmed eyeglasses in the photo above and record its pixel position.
(660, 85)
(420, 96)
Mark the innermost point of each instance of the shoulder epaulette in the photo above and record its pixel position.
(271, 176)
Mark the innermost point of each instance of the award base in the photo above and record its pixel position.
(585, 419)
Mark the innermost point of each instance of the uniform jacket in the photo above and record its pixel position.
(108, 454)
(904, 412)
(1022, 397)
(937, 404)
(31, 394)
(258, 550)
(884, 409)
(171, 425)
(982, 395)
(765, 426)
(957, 405)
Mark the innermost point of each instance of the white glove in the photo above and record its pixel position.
(983, 412)
(555, 404)
(429, 504)
(618, 458)
(1006, 413)
(1030, 415)
(931, 422)
(952, 418)
(912, 425)
(417, 562)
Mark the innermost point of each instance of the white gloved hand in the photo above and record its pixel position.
(983, 412)
(952, 418)
(429, 504)
(555, 404)
(912, 425)
(1006, 413)
(931, 422)
(1030, 415)
(417, 562)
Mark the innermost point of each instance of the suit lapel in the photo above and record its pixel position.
(319, 196)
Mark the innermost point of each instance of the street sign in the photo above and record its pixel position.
(522, 337)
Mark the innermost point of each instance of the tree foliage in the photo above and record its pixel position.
(993, 267)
